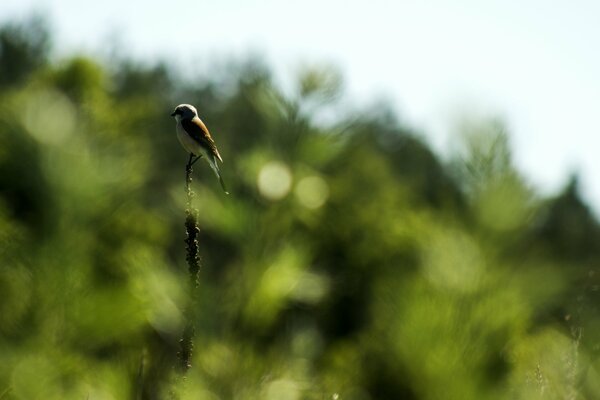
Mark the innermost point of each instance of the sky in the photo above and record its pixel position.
(534, 63)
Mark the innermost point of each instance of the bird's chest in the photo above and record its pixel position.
(186, 141)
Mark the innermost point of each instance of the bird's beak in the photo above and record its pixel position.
(173, 114)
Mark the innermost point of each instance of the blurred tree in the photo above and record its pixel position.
(568, 228)
(24, 48)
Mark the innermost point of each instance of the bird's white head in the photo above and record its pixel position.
(184, 111)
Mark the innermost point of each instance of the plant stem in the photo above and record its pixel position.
(193, 261)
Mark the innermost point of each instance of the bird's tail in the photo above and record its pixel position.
(215, 168)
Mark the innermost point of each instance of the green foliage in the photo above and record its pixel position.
(349, 261)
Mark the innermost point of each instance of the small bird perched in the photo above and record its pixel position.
(195, 138)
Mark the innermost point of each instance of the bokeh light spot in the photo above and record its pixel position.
(283, 389)
(274, 180)
(50, 117)
(312, 192)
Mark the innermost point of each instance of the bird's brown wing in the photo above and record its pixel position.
(199, 132)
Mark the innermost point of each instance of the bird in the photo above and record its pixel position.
(195, 138)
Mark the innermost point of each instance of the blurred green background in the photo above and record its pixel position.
(349, 262)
